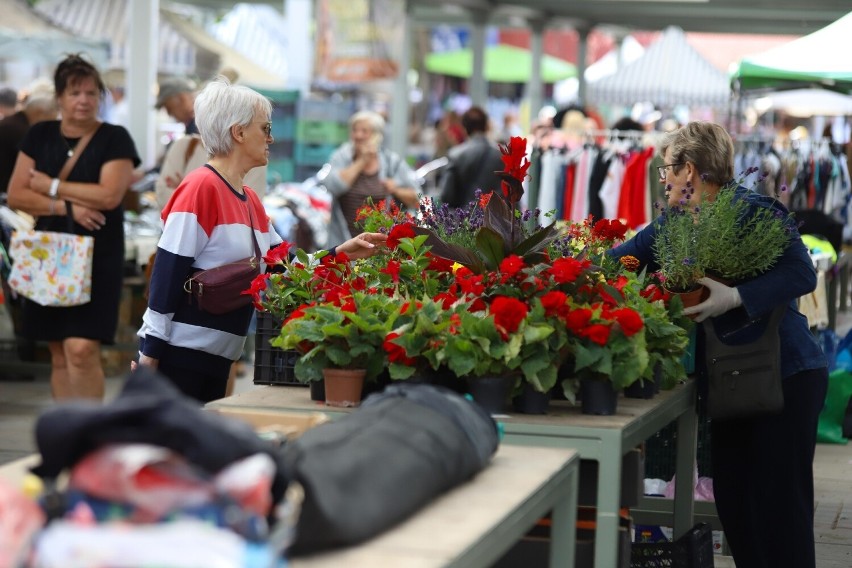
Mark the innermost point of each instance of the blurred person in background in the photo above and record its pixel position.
(8, 101)
(177, 97)
(212, 219)
(363, 170)
(449, 132)
(93, 192)
(38, 106)
(473, 164)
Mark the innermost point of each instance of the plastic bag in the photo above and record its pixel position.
(830, 426)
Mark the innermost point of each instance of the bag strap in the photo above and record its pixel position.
(194, 141)
(253, 236)
(69, 165)
(72, 159)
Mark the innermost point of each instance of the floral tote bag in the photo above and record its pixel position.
(52, 269)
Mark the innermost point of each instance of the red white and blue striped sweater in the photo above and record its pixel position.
(207, 224)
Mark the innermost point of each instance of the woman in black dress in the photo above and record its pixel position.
(94, 190)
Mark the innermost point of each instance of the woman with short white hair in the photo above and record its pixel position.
(363, 170)
(213, 219)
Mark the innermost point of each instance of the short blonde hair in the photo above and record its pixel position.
(705, 144)
(374, 119)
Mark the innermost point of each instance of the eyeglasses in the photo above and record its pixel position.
(267, 128)
(662, 169)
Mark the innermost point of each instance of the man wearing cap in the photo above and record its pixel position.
(177, 96)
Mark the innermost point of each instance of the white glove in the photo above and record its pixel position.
(722, 298)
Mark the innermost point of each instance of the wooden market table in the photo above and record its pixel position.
(605, 439)
(476, 523)
(472, 525)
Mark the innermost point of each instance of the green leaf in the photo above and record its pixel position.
(492, 247)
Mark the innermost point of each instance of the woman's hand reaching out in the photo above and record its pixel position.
(363, 245)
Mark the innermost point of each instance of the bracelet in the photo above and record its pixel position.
(54, 188)
(52, 208)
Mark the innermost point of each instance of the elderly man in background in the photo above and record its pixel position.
(177, 96)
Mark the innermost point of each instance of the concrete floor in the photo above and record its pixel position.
(22, 401)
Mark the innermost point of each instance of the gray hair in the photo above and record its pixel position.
(219, 106)
(705, 144)
(374, 119)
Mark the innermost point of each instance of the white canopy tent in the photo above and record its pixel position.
(670, 73)
(805, 103)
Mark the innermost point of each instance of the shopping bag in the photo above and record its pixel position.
(52, 269)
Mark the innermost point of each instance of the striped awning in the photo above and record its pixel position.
(670, 73)
(107, 20)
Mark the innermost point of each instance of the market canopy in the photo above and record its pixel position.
(25, 35)
(670, 73)
(806, 102)
(818, 59)
(503, 64)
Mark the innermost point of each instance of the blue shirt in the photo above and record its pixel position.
(791, 277)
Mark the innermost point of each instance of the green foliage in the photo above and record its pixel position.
(329, 336)
(740, 241)
(727, 237)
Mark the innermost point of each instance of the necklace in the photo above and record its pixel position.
(69, 145)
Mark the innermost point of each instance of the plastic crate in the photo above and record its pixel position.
(313, 154)
(322, 131)
(692, 550)
(283, 127)
(324, 109)
(661, 454)
(281, 150)
(272, 366)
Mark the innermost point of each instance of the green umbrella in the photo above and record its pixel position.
(503, 64)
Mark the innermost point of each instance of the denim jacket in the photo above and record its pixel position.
(791, 277)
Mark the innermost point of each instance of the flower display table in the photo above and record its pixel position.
(604, 439)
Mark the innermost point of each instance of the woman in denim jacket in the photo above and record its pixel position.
(762, 467)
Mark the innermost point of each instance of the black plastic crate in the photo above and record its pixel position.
(661, 451)
(692, 550)
(272, 366)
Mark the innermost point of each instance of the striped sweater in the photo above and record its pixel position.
(207, 224)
